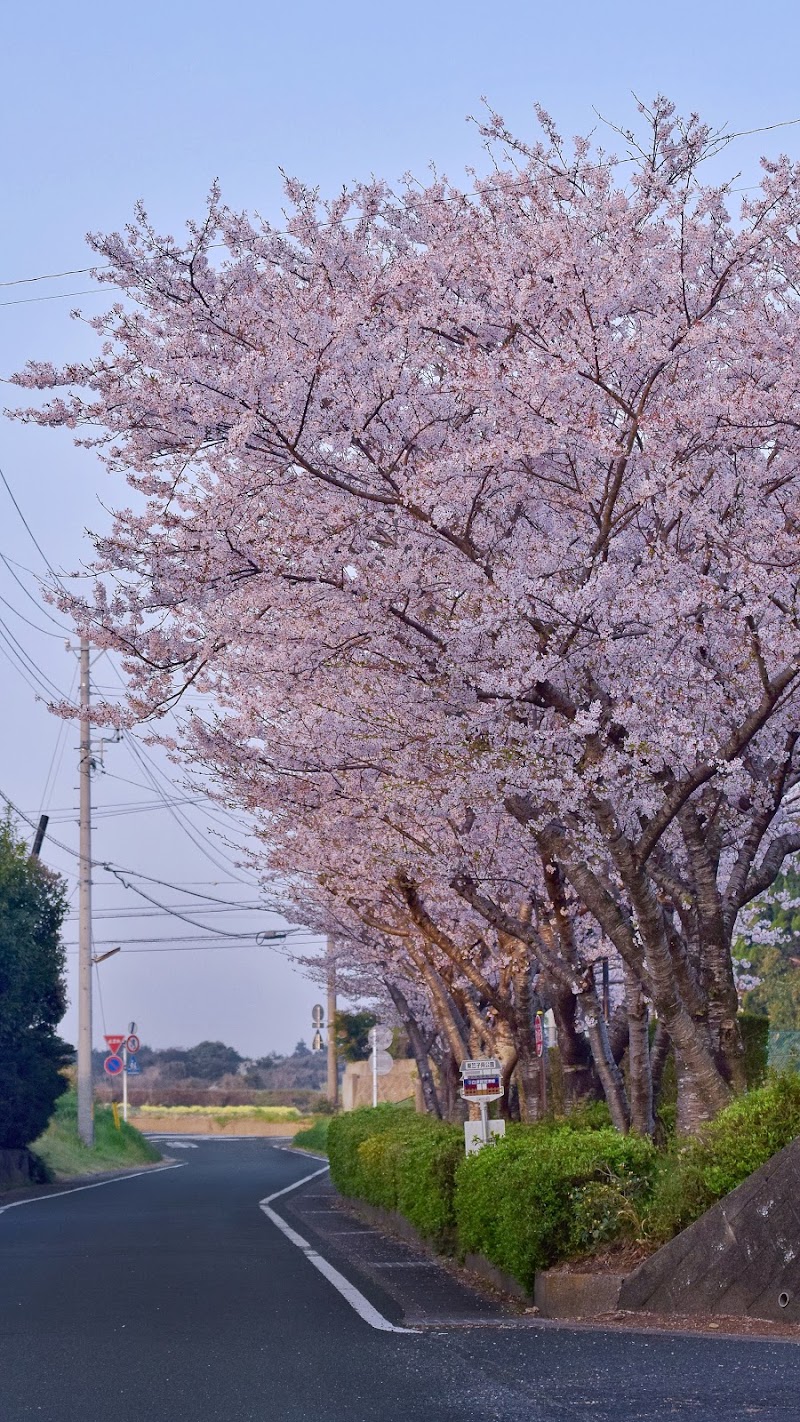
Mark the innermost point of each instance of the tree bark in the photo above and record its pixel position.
(581, 1082)
(418, 1046)
(640, 1081)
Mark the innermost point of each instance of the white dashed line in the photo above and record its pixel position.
(349, 1292)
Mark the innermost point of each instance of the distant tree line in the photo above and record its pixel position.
(216, 1064)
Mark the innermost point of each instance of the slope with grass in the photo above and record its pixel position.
(65, 1156)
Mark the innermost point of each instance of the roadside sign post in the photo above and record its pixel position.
(317, 1022)
(539, 1038)
(130, 1048)
(482, 1082)
(379, 1038)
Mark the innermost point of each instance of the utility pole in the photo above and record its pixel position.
(333, 1064)
(85, 1104)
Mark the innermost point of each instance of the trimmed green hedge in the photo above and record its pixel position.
(545, 1194)
(398, 1160)
(559, 1189)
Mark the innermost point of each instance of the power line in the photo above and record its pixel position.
(49, 276)
(44, 630)
(37, 545)
(49, 687)
(58, 296)
(355, 217)
(8, 563)
(99, 864)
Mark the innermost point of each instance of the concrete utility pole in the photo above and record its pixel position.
(333, 1063)
(85, 1111)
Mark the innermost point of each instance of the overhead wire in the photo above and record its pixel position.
(355, 217)
(4, 558)
(45, 631)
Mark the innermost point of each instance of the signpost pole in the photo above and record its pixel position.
(375, 1075)
(484, 1108)
(125, 1082)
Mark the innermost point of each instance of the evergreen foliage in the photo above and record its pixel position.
(776, 964)
(32, 991)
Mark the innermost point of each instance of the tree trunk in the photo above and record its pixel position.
(605, 1066)
(418, 1046)
(581, 1082)
(454, 1108)
(659, 1053)
(528, 1078)
(640, 1087)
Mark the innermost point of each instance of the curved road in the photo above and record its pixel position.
(172, 1297)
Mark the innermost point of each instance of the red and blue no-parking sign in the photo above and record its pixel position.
(113, 1064)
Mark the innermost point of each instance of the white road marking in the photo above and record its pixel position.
(181, 1145)
(349, 1292)
(96, 1184)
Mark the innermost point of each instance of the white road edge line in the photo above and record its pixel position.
(117, 1180)
(349, 1292)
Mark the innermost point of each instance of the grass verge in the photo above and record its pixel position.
(65, 1156)
(315, 1137)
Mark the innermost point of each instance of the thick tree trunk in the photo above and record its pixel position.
(640, 1081)
(658, 1059)
(454, 1109)
(418, 1046)
(694, 1109)
(581, 1082)
(528, 1077)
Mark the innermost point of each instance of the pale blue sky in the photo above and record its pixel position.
(104, 104)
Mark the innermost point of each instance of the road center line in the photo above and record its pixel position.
(95, 1185)
(349, 1292)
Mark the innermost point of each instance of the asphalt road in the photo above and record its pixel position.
(172, 1297)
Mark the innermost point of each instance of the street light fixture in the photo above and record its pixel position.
(101, 957)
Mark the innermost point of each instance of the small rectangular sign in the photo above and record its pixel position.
(481, 1066)
(477, 1086)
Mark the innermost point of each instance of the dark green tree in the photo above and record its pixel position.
(351, 1034)
(776, 964)
(210, 1060)
(32, 991)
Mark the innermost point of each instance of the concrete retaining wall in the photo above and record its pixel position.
(208, 1126)
(741, 1257)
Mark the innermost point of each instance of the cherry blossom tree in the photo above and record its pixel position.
(504, 482)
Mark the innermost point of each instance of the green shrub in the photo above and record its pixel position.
(398, 1160)
(547, 1193)
(64, 1155)
(315, 1136)
(742, 1138)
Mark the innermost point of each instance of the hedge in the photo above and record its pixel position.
(541, 1194)
(398, 1160)
(547, 1194)
(559, 1189)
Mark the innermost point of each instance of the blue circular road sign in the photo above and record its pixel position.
(113, 1064)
